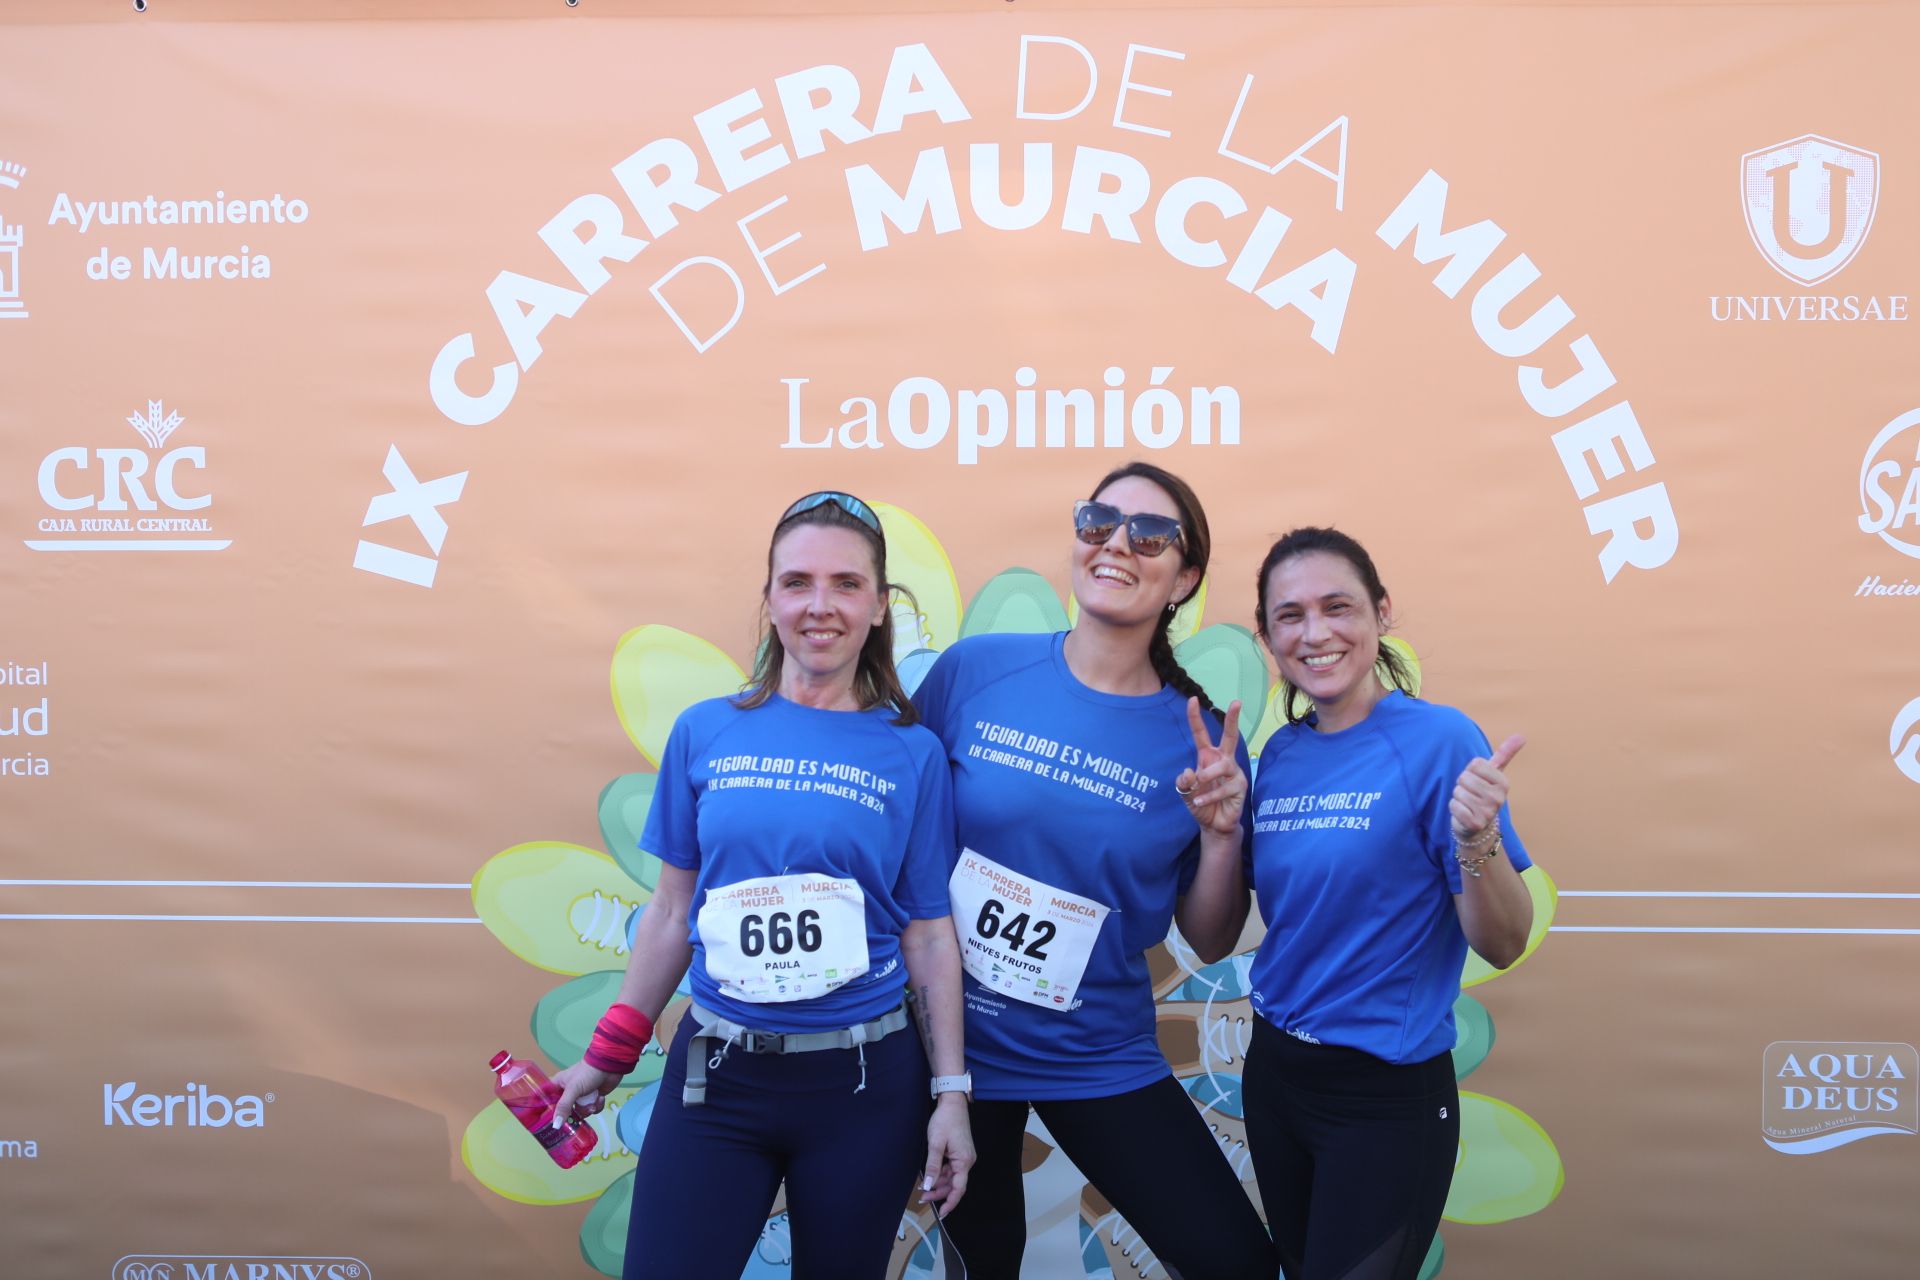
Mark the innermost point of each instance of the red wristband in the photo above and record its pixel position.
(617, 1041)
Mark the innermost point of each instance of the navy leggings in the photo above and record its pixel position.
(851, 1161)
(1147, 1152)
(1354, 1155)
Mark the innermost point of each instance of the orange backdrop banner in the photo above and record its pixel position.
(397, 403)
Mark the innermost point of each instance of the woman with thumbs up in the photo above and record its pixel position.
(1382, 850)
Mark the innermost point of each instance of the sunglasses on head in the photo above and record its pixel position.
(845, 501)
(1148, 535)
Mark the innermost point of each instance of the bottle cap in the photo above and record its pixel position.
(500, 1059)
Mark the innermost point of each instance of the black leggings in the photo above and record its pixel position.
(1354, 1155)
(1147, 1152)
(849, 1157)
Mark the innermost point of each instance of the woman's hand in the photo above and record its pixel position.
(1480, 792)
(583, 1091)
(1215, 789)
(949, 1154)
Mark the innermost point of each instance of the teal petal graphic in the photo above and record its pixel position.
(1225, 660)
(603, 1236)
(1217, 1092)
(1436, 1259)
(623, 816)
(1474, 1038)
(1016, 600)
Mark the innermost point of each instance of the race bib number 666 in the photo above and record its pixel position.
(784, 938)
(1020, 936)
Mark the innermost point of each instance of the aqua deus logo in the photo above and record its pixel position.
(1817, 1095)
(235, 1266)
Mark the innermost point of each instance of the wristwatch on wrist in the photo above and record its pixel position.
(962, 1083)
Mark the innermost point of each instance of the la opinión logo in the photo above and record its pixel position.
(1818, 1095)
(197, 1108)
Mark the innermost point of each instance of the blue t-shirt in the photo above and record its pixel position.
(1352, 862)
(1072, 787)
(787, 790)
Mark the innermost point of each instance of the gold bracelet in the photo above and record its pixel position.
(1472, 865)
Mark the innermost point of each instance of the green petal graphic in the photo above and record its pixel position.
(1226, 661)
(557, 905)
(623, 815)
(509, 1161)
(1546, 899)
(1017, 600)
(1474, 1039)
(658, 672)
(917, 561)
(603, 1236)
(1508, 1166)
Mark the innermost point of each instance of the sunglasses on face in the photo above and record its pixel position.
(1148, 535)
(845, 501)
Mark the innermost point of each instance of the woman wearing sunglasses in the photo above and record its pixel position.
(1096, 803)
(805, 829)
(1382, 841)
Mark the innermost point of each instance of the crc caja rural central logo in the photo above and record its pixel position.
(1809, 204)
(1817, 1094)
(96, 497)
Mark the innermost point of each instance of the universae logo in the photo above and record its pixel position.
(238, 1266)
(196, 1108)
(1809, 203)
(1817, 1095)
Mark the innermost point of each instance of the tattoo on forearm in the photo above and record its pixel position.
(923, 1022)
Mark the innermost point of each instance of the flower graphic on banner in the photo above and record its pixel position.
(572, 910)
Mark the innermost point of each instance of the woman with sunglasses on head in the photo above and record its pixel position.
(1382, 849)
(805, 829)
(1097, 803)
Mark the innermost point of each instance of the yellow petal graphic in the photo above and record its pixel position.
(660, 671)
(1508, 1166)
(509, 1161)
(559, 906)
(1546, 900)
(917, 561)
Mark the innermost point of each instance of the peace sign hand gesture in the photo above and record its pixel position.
(1215, 789)
(1481, 790)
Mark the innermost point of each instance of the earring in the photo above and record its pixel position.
(1173, 606)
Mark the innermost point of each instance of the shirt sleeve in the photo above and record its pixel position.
(672, 832)
(932, 842)
(930, 697)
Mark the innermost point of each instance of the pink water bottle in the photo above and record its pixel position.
(530, 1096)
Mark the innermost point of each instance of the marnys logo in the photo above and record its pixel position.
(13, 306)
(195, 1108)
(1904, 741)
(1809, 204)
(237, 1266)
(1817, 1095)
(68, 484)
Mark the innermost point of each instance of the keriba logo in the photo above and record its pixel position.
(1817, 1095)
(196, 1107)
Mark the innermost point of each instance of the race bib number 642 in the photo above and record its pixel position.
(1021, 936)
